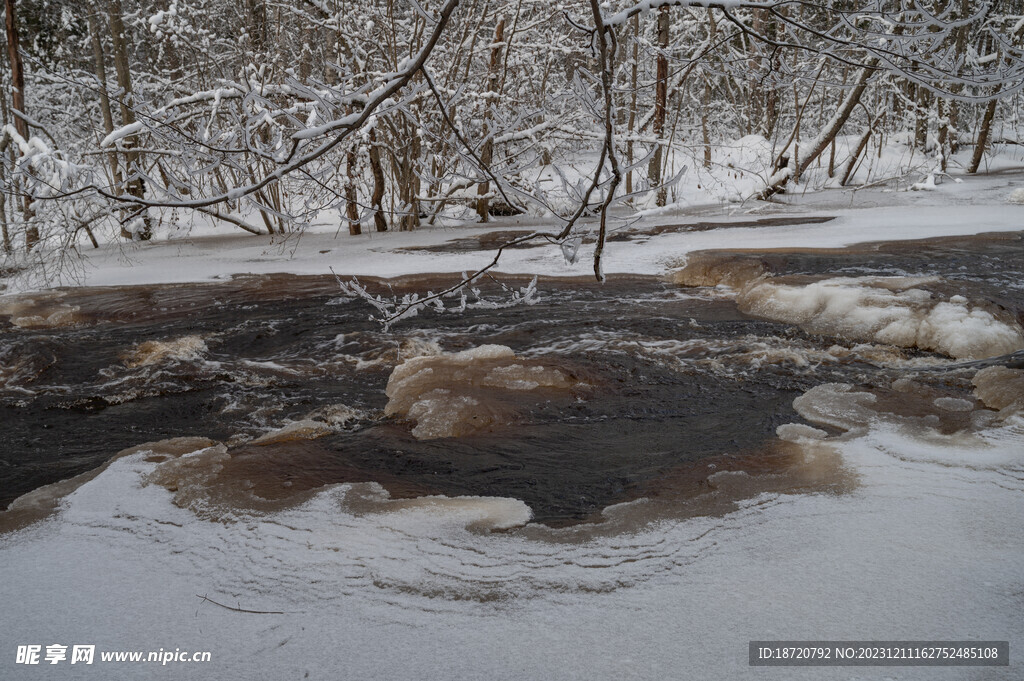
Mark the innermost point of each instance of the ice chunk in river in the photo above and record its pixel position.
(453, 395)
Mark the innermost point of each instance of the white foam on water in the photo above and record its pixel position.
(731, 355)
(392, 353)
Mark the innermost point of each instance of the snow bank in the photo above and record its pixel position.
(204, 251)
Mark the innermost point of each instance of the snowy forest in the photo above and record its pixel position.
(121, 117)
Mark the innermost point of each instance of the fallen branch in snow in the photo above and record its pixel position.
(884, 180)
(207, 599)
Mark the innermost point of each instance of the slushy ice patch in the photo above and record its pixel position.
(149, 353)
(185, 500)
(1001, 388)
(903, 311)
(316, 424)
(712, 268)
(891, 310)
(453, 395)
(46, 500)
(984, 438)
(39, 311)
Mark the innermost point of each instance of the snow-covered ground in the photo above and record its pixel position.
(926, 545)
(961, 205)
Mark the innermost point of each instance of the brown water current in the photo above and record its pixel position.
(597, 406)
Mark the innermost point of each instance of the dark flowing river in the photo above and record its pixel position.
(672, 383)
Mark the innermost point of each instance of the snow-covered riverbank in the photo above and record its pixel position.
(971, 205)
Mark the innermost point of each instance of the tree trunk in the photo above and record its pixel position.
(18, 106)
(409, 183)
(351, 202)
(654, 170)
(771, 112)
(706, 103)
(380, 222)
(828, 133)
(756, 98)
(8, 247)
(983, 134)
(487, 150)
(943, 134)
(705, 134)
(632, 103)
(133, 160)
(921, 120)
(851, 165)
(108, 117)
(256, 18)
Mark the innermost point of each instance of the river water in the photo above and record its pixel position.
(663, 385)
